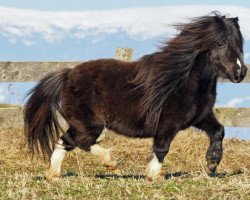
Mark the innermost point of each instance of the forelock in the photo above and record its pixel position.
(206, 31)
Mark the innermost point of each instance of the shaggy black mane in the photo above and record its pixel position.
(166, 72)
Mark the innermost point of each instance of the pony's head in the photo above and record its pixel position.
(227, 56)
(220, 39)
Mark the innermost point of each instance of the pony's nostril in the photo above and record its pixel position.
(238, 71)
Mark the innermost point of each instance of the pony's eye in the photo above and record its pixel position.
(220, 44)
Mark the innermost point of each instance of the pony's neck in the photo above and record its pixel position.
(202, 78)
(204, 68)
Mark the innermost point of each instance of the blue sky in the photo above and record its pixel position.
(110, 4)
(58, 30)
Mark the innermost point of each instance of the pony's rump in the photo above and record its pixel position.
(41, 123)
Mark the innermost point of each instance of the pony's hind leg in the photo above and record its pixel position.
(106, 157)
(87, 139)
(63, 145)
(102, 153)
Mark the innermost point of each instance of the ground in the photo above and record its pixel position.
(85, 178)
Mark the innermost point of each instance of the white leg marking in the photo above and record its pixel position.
(154, 168)
(102, 153)
(238, 62)
(105, 157)
(56, 161)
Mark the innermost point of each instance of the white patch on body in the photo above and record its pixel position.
(238, 62)
(154, 168)
(56, 161)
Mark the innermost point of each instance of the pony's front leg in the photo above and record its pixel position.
(215, 132)
(154, 170)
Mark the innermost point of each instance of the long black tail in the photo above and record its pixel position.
(41, 126)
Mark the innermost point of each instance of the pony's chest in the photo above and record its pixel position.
(204, 105)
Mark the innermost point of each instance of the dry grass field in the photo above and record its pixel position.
(85, 178)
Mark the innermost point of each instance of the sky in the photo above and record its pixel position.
(111, 4)
(77, 30)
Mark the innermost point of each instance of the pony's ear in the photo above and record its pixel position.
(234, 19)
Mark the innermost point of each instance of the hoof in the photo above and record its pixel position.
(116, 171)
(112, 167)
(52, 176)
(155, 175)
(212, 167)
(159, 178)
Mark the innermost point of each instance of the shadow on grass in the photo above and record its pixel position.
(133, 176)
(39, 178)
(139, 176)
(69, 174)
(225, 174)
(128, 176)
(169, 175)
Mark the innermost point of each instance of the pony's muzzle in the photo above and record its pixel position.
(239, 73)
(243, 72)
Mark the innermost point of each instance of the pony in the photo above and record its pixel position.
(155, 96)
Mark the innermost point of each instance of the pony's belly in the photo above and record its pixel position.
(129, 131)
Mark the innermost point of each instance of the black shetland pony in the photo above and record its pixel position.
(155, 96)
